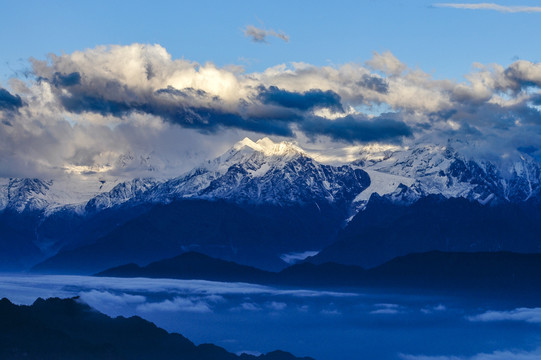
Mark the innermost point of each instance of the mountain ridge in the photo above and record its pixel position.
(56, 328)
(240, 175)
(259, 175)
(491, 272)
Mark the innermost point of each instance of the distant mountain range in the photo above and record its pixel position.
(259, 172)
(501, 273)
(62, 329)
(262, 200)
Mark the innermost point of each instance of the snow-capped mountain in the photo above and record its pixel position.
(24, 194)
(261, 172)
(306, 203)
(48, 196)
(121, 193)
(265, 172)
(406, 175)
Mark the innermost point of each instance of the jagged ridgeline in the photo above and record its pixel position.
(261, 200)
(62, 329)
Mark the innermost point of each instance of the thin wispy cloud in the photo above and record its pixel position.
(386, 309)
(492, 6)
(26, 289)
(260, 35)
(496, 355)
(176, 305)
(530, 315)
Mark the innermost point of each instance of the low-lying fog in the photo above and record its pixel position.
(323, 324)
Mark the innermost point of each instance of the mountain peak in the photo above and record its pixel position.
(269, 147)
(246, 142)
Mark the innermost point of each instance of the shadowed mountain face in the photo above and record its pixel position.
(17, 250)
(257, 235)
(56, 329)
(252, 235)
(385, 230)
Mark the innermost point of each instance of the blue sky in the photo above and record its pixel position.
(442, 41)
(180, 82)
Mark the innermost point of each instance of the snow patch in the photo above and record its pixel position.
(382, 184)
(292, 258)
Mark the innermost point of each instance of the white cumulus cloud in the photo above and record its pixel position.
(134, 110)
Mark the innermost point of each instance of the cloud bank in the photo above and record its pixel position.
(134, 110)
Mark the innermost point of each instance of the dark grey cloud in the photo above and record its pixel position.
(211, 120)
(176, 106)
(87, 103)
(9, 101)
(374, 83)
(443, 114)
(491, 115)
(358, 128)
(307, 100)
(205, 119)
(273, 111)
(525, 114)
(71, 79)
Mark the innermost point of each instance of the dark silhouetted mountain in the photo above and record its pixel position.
(330, 275)
(386, 229)
(193, 265)
(502, 272)
(495, 272)
(66, 329)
